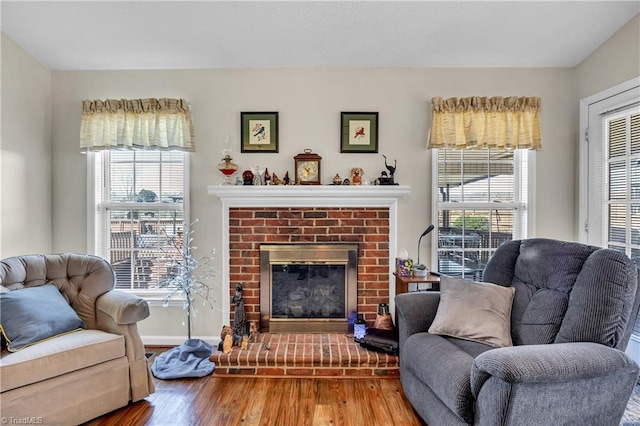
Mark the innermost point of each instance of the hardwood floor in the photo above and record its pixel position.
(268, 401)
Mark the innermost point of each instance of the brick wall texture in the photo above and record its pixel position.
(368, 227)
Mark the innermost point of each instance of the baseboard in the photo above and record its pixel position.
(175, 340)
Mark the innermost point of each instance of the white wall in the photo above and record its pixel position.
(615, 61)
(25, 154)
(39, 106)
(309, 102)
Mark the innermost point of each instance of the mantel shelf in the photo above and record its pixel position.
(310, 195)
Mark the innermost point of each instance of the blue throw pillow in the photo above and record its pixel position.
(30, 315)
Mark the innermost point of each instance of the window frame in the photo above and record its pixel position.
(98, 161)
(526, 206)
(609, 99)
(593, 148)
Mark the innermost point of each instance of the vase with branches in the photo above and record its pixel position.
(188, 276)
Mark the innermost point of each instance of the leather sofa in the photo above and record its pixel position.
(80, 375)
(573, 312)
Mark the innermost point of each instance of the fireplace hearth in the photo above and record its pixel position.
(308, 287)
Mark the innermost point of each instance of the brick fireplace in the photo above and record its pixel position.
(365, 215)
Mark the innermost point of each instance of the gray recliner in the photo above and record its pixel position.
(573, 312)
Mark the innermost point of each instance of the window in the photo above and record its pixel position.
(138, 213)
(622, 206)
(481, 203)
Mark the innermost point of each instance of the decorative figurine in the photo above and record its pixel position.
(228, 342)
(392, 170)
(253, 331)
(226, 331)
(356, 175)
(258, 176)
(247, 177)
(275, 180)
(239, 317)
(245, 343)
(267, 177)
(285, 179)
(239, 181)
(337, 180)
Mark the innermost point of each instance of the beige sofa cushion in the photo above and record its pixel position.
(58, 356)
(71, 399)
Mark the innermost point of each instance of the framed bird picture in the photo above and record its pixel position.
(359, 132)
(259, 132)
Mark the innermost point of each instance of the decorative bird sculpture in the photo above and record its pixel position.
(392, 169)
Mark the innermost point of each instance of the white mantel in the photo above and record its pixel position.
(309, 196)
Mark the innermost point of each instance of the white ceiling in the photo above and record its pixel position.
(109, 35)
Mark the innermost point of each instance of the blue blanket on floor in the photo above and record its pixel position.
(191, 359)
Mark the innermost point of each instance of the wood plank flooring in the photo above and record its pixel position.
(311, 401)
(268, 401)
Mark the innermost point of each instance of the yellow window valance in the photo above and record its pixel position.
(481, 122)
(163, 124)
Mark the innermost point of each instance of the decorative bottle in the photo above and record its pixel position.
(226, 166)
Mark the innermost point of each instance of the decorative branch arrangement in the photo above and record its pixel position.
(189, 277)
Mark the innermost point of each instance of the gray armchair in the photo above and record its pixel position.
(572, 316)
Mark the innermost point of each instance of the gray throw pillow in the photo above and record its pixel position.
(30, 315)
(480, 312)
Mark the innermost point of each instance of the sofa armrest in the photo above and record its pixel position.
(118, 312)
(415, 313)
(124, 308)
(548, 363)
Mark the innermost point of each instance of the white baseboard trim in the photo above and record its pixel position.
(175, 340)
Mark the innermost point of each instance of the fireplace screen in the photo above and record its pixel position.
(307, 287)
(308, 291)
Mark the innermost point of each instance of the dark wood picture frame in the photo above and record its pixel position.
(258, 132)
(359, 132)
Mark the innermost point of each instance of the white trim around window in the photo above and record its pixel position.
(98, 203)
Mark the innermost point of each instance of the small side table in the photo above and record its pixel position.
(402, 282)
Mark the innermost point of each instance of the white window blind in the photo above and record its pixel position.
(481, 203)
(622, 208)
(139, 213)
